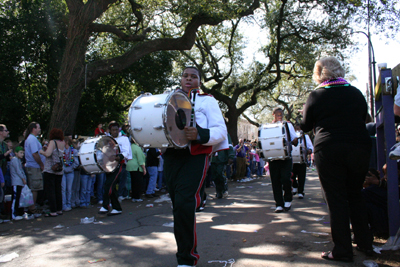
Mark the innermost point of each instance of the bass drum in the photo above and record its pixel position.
(299, 152)
(272, 141)
(97, 155)
(158, 120)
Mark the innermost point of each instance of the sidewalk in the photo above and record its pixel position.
(241, 231)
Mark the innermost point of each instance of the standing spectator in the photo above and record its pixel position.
(152, 161)
(86, 185)
(342, 150)
(76, 185)
(5, 151)
(53, 154)
(241, 165)
(99, 130)
(1, 193)
(18, 180)
(125, 148)
(70, 161)
(34, 162)
(137, 170)
(160, 169)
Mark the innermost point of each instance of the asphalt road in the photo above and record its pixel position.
(241, 231)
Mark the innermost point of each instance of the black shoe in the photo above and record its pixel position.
(149, 195)
(368, 252)
(218, 195)
(154, 195)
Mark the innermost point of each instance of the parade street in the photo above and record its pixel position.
(241, 230)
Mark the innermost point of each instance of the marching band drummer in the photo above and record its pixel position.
(300, 169)
(185, 169)
(114, 177)
(280, 170)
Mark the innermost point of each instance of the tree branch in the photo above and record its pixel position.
(95, 27)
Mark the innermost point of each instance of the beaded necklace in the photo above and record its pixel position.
(71, 159)
(337, 81)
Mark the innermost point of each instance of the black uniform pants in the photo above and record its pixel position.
(342, 169)
(299, 176)
(110, 189)
(184, 175)
(280, 171)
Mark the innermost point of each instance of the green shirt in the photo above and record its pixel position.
(138, 159)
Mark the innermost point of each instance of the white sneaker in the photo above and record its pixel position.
(120, 199)
(294, 191)
(114, 212)
(67, 209)
(103, 210)
(186, 265)
(156, 189)
(287, 206)
(26, 216)
(18, 218)
(37, 215)
(395, 152)
(301, 196)
(100, 202)
(137, 200)
(225, 194)
(278, 209)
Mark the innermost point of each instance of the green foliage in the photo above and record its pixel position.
(110, 97)
(31, 41)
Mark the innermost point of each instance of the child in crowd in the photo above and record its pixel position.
(18, 181)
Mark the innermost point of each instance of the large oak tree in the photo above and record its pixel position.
(148, 25)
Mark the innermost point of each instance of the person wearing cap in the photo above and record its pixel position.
(281, 170)
(18, 181)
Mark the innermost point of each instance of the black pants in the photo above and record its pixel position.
(184, 175)
(52, 187)
(136, 183)
(280, 171)
(217, 170)
(15, 209)
(299, 173)
(110, 189)
(342, 169)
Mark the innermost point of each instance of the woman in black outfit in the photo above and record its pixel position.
(336, 111)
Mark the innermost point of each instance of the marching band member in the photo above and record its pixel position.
(300, 169)
(185, 169)
(280, 170)
(112, 178)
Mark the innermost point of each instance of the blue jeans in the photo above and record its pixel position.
(76, 185)
(248, 171)
(92, 186)
(86, 184)
(100, 178)
(122, 191)
(160, 179)
(153, 172)
(66, 189)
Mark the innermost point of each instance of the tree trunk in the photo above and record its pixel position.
(232, 126)
(72, 77)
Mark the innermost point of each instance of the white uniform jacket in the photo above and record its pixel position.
(208, 116)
